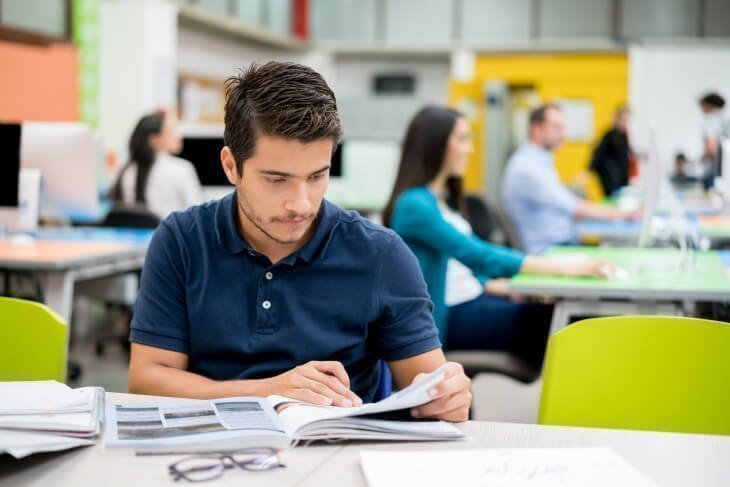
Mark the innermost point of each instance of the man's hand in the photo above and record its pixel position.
(321, 383)
(451, 398)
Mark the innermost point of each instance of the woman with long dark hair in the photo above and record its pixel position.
(466, 276)
(153, 178)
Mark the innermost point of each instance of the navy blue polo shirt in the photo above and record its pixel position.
(354, 293)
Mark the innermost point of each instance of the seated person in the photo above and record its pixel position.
(680, 177)
(466, 276)
(154, 179)
(541, 209)
(612, 156)
(274, 290)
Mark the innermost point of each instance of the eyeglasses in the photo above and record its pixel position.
(201, 468)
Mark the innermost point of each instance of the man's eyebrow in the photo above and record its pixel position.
(271, 172)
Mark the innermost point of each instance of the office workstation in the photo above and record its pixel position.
(318, 242)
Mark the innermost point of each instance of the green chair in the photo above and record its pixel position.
(32, 342)
(655, 373)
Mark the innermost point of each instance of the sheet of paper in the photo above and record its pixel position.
(33, 397)
(23, 443)
(544, 467)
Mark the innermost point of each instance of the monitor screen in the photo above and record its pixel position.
(66, 155)
(205, 155)
(336, 162)
(9, 164)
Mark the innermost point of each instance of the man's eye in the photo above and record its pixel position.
(277, 180)
(315, 177)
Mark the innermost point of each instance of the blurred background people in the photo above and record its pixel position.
(154, 179)
(612, 156)
(541, 208)
(466, 276)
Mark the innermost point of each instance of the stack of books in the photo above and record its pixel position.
(41, 416)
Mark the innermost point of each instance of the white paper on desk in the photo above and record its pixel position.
(23, 443)
(32, 397)
(544, 467)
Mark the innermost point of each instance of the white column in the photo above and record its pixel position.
(138, 65)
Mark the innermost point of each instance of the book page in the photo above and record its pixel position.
(173, 424)
(295, 414)
(545, 467)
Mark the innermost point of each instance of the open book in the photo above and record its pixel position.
(232, 423)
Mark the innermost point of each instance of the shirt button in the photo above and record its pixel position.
(269, 276)
(266, 304)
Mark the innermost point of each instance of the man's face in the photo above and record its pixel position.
(282, 186)
(551, 133)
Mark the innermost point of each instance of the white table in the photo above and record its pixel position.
(670, 459)
(59, 258)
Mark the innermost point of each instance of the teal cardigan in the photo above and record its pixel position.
(417, 219)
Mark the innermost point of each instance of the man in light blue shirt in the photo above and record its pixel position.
(542, 210)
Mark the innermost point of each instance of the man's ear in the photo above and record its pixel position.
(229, 165)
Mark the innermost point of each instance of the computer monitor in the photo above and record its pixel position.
(651, 181)
(204, 152)
(9, 175)
(65, 153)
(205, 155)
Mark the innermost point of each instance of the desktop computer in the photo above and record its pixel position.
(204, 153)
(9, 175)
(66, 154)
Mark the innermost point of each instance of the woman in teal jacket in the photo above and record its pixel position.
(466, 276)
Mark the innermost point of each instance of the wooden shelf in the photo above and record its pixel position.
(197, 17)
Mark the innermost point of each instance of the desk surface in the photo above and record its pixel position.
(670, 459)
(63, 248)
(652, 274)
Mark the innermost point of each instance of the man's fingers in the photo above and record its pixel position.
(449, 386)
(443, 406)
(334, 368)
(309, 396)
(333, 384)
(337, 398)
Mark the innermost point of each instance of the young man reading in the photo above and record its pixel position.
(274, 290)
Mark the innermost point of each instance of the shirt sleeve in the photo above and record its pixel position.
(421, 221)
(405, 327)
(160, 311)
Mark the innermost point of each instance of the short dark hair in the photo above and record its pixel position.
(713, 99)
(281, 99)
(537, 116)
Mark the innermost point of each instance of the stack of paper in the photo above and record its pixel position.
(47, 416)
(543, 467)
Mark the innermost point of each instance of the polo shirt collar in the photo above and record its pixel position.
(226, 228)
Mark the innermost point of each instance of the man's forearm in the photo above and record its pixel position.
(161, 380)
(592, 211)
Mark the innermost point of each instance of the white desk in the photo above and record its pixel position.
(61, 257)
(670, 459)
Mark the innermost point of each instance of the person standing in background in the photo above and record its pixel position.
(612, 157)
(715, 127)
(154, 178)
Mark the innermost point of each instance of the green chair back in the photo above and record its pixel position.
(32, 342)
(655, 373)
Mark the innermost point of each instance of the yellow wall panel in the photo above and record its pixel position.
(601, 78)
